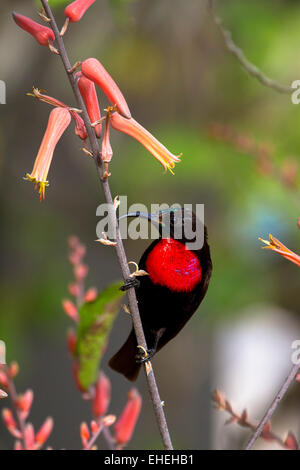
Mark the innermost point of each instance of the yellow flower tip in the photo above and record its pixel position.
(170, 169)
(266, 242)
(40, 184)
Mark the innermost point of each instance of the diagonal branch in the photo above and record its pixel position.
(269, 413)
(136, 319)
(252, 69)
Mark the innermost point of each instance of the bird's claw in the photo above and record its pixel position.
(144, 355)
(129, 283)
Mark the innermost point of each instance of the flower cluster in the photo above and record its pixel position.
(99, 395)
(123, 426)
(16, 422)
(118, 115)
(116, 432)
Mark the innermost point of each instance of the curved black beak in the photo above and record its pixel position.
(154, 218)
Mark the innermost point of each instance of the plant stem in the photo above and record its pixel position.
(269, 413)
(252, 69)
(136, 319)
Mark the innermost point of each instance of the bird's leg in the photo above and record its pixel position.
(129, 283)
(145, 355)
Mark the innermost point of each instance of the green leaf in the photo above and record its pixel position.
(96, 320)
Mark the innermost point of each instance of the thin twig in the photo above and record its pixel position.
(239, 54)
(269, 413)
(109, 439)
(94, 437)
(136, 319)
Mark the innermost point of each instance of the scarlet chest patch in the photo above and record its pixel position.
(171, 265)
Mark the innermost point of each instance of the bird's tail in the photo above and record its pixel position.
(124, 360)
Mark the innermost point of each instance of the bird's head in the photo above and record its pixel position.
(178, 223)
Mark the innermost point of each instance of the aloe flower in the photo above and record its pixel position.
(59, 120)
(126, 423)
(77, 9)
(88, 92)
(42, 34)
(95, 71)
(275, 245)
(138, 132)
(102, 395)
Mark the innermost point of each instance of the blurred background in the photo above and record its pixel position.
(241, 147)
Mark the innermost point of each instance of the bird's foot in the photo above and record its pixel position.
(144, 355)
(129, 283)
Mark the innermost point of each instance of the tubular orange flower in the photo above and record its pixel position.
(59, 120)
(44, 432)
(77, 9)
(127, 421)
(88, 92)
(95, 71)
(102, 395)
(36, 93)
(29, 437)
(281, 249)
(135, 130)
(84, 434)
(41, 33)
(24, 402)
(10, 423)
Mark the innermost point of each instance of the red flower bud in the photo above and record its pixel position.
(91, 295)
(41, 33)
(135, 130)
(88, 92)
(84, 434)
(127, 421)
(106, 150)
(10, 423)
(80, 129)
(71, 341)
(13, 370)
(44, 432)
(3, 379)
(81, 271)
(94, 426)
(77, 9)
(29, 437)
(70, 310)
(291, 442)
(95, 71)
(102, 395)
(74, 289)
(25, 401)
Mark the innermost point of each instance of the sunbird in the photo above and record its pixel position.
(176, 282)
